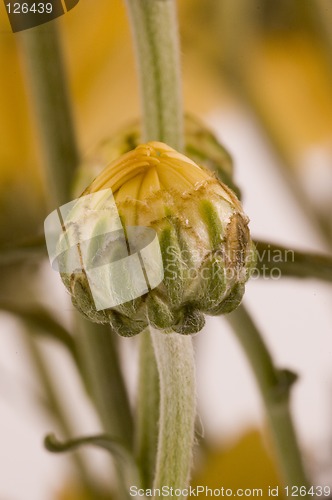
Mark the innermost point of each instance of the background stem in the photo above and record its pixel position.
(175, 360)
(102, 372)
(275, 388)
(148, 410)
(46, 77)
(56, 410)
(42, 60)
(100, 360)
(155, 33)
(293, 263)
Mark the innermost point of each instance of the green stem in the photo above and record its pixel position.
(55, 409)
(100, 361)
(47, 86)
(175, 360)
(101, 368)
(155, 34)
(275, 387)
(148, 411)
(47, 81)
(293, 263)
(154, 26)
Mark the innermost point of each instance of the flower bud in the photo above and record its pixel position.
(203, 242)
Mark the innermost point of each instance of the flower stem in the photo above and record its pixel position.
(154, 26)
(148, 411)
(155, 34)
(175, 360)
(42, 59)
(98, 349)
(275, 385)
(100, 361)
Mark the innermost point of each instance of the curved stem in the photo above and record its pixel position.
(148, 410)
(155, 33)
(275, 388)
(175, 361)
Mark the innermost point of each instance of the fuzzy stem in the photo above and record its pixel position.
(155, 33)
(42, 59)
(148, 411)
(275, 388)
(175, 360)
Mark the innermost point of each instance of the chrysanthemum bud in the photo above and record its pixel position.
(204, 246)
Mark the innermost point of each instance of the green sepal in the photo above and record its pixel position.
(172, 263)
(159, 313)
(124, 326)
(131, 307)
(212, 283)
(192, 321)
(231, 302)
(212, 222)
(82, 298)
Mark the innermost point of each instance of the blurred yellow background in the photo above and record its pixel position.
(282, 67)
(271, 59)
